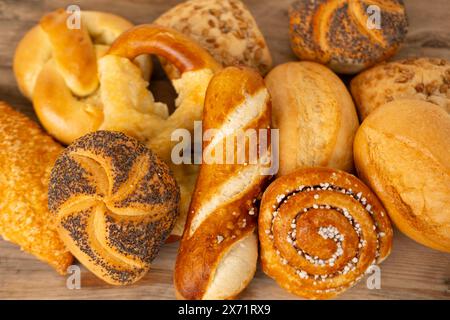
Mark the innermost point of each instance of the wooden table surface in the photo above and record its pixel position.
(411, 272)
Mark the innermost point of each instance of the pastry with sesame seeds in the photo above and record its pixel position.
(319, 237)
(27, 155)
(115, 203)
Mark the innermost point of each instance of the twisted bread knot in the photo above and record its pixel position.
(115, 203)
(340, 33)
(320, 230)
(218, 251)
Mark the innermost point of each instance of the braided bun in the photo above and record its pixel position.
(115, 203)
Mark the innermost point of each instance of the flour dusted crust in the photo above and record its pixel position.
(426, 79)
(225, 28)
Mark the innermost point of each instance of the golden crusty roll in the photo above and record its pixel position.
(315, 115)
(347, 35)
(225, 28)
(59, 69)
(26, 157)
(218, 251)
(402, 150)
(115, 204)
(320, 230)
(196, 67)
(426, 79)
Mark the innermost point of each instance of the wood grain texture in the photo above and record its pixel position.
(411, 272)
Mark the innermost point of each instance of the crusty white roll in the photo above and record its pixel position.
(315, 116)
(218, 251)
(402, 150)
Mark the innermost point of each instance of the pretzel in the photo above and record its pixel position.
(219, 249)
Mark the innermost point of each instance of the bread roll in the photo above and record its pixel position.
(315, 115)
(344, 35)
(402, 150)
(225, 28)
(425, 79)
(115, 204)
(27, 155)
(320, 229)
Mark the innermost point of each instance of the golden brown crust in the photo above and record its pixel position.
(320, 229)
(223, 27)
(315, 116)
(402, 151)
(115, 202)
(26, 157)
(336, 33)
(218, 251)
(425, 79)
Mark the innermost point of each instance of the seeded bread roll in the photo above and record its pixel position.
(27, 155)
(402, 150)
(344, 35)
(425, 79)
(225, 28)
(315, 116)
(115, 204)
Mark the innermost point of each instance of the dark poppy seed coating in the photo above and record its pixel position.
(116, 204)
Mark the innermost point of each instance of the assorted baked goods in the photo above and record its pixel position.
(320, 229)
(115, 203)
(426, 79)
(115, 194)
(26, 158)
(219, 249)
(315, 115)
(225, 28)
(347, 36)
(57, 68)
(402, 151)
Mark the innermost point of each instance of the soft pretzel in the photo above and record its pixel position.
(115, 204)
(320, 229)
(218, 251)
(58, 69)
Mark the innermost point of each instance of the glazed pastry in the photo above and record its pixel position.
(26, 157)
(320, 229)
(196, 67)
(402, 151)
(315, 116)
(58, 69)
(218, 251)
(225, 28)
(344, 35)
(115, 204)
(426, 79)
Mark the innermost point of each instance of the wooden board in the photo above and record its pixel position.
(411, 272)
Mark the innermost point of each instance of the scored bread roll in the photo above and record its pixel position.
(402, 151)
(218, 251)
(347, 35)
(315, 116)
(320, 230)
(426, 79)
(27, 155)
(225, 28)
(115, 204)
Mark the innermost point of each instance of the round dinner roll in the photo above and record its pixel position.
(402, 151)
(348, 35)
(115, 203)
(425, 79)
(315, 115)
